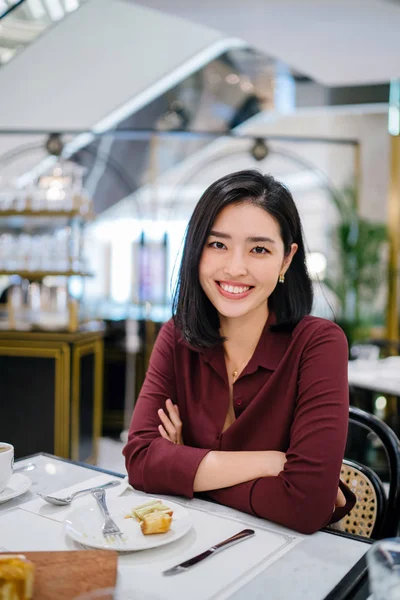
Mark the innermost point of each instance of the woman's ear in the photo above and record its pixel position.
(288, 258)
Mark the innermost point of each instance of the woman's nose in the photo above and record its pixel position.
(235, 266)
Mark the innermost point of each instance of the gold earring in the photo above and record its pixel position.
(281, 278)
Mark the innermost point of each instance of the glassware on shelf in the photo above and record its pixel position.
(44, 253)
(60, 189)
(26, 253)
(34, 301)
(59, 252)
(61, 186)
(61, 303)
(53, 312)
(8, 251)
(15, 306)
(36, 203)
(6, 197)
(20, 200)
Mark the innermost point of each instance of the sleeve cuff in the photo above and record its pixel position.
(237, 496)
(170, 468)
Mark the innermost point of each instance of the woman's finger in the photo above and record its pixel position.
(163, 433)
(170, 405)
(174, 415)
(168, 425)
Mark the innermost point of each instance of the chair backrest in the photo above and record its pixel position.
(386, 522)
(366, 517)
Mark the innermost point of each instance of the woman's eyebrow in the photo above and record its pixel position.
(225, 236)
(261, 239)
(253, 239)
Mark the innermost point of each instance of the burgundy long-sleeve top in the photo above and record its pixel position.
(292, 397)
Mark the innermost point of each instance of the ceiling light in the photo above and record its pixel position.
(232, 78)
(259, 151)
(246, 86)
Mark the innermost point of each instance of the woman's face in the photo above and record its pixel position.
(242, 260)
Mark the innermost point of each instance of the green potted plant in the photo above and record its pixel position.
(359, 272)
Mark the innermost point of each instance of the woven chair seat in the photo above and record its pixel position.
(361, 519)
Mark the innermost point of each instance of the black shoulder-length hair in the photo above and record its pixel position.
(194, 314)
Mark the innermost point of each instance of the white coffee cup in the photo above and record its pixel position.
(6, 464)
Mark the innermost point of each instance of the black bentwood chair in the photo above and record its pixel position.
(373, 515)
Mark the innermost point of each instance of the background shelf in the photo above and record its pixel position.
(66, 214)
(38, 275)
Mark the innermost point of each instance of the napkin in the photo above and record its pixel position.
(60, 513)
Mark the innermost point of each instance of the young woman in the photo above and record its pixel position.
(246, 395)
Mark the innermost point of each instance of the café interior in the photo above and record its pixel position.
(115, 116)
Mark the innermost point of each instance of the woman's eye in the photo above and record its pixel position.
(260, 250)
(218, 245)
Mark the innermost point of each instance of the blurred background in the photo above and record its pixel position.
(114, 118)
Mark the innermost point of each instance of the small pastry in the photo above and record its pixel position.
(156, 522)
(16, 577)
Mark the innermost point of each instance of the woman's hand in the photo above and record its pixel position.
(340, 499)
(171, 424)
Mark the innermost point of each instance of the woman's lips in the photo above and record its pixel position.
(235, 294)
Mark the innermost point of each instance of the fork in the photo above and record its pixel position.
(110, 528)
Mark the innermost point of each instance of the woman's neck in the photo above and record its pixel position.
(242, 334)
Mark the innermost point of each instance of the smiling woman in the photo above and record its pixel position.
(246, 395)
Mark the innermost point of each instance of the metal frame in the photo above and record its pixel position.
(392, 318)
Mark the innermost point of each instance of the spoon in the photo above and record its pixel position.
(27, 467)
(68, 499)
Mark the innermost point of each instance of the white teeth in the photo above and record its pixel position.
(234, 289)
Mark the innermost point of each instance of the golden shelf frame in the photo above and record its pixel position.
(96, 348)
(46, 213)
(60, 352)
(67, 350)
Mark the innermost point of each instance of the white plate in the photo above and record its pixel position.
(84, 525)
(17, 485)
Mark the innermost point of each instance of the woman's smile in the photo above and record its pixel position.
(234, 290)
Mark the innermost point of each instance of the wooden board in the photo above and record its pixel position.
(65, 575)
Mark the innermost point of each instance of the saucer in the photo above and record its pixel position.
(17, 485)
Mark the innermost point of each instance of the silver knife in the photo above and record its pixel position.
(184, 566)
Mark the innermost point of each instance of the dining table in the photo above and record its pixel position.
(276, 563)
(376, 376)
